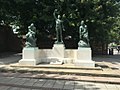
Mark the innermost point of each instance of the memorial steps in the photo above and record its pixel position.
(63, 70)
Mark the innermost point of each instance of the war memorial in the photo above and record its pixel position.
(82, 56)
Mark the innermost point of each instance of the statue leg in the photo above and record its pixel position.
(61, 40)
(57, 35)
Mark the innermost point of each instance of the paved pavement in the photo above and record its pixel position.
(9, 57)
(15, 82)
(36, 81)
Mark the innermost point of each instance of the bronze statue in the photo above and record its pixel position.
(83, 35)
(30, 36)
(59, 28)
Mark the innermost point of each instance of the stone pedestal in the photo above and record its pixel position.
(84, 58)
(58, 54)
(58, 50)
(29, 56)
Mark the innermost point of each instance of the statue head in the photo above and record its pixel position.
(32, 24)
(59, 17)
(30, 28)
(82, 22)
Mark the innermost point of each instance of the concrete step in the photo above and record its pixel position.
(72, 70)
(57, 66)
(95, 79)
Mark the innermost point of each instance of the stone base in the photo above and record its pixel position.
(49, 60)
(84, 54)
(84, 63)
(29, 56)
(84, 58)
(57, 55)
(28, 62)
(56, 62)
(58, 50)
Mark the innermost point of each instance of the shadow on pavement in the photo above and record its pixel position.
(10, 57)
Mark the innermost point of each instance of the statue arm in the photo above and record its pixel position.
(63, 26)
(80, 36)
(54, 14)
(85, 30)
(27, 34)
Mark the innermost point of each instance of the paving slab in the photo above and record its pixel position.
(111, 87)
(4, 87)
(90, 86)
(59, 84)
(14, 88)
(70, 85)
(30, 82)
(101, 86)
(36, 89)
(24, 88)
(79, 85)
(40, 82)
(22, 81)
(13, 81)
(49, 83)
(6, 79)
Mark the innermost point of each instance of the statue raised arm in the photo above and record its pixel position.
(54, 14)
(59, 27)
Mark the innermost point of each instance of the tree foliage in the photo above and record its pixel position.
(101, 16)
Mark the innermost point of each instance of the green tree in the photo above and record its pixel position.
(101, 16)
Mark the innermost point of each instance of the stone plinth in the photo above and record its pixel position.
(58, 51)
(57, 55)
(29, 56)
(84, 58)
